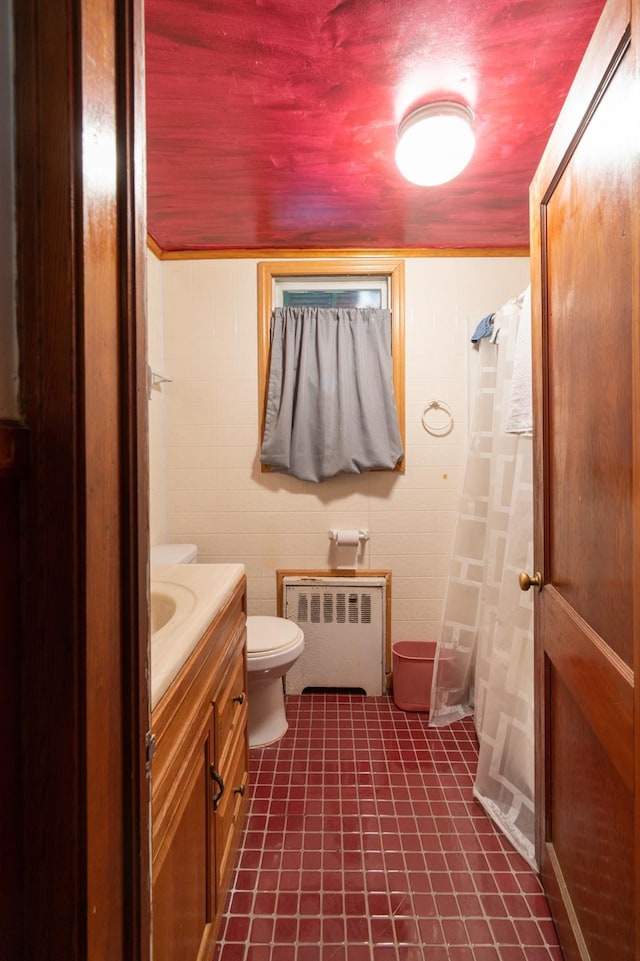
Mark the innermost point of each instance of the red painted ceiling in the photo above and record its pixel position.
(272, 123)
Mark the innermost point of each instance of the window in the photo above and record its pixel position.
(370, 282)
(328, 291)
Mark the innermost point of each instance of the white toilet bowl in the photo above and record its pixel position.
(273, 645)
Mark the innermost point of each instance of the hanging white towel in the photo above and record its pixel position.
(520, 411)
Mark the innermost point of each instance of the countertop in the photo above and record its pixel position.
(200, 592)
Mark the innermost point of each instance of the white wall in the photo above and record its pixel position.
(8, 336)
(157, 406)
(216, 495)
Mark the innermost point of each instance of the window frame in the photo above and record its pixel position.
(393, 270)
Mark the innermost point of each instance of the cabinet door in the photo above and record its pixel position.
(230, 709)
(230, 813)
(183, 900)
(232, 759)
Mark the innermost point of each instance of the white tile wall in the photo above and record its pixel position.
(215, 493)
(157, 446)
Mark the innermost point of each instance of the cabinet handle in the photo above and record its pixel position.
(218, 780)
(238, 699)
(239, 790)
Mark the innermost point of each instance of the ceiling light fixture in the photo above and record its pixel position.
(435, 143)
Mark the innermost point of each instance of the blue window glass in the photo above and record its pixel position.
(332, 298)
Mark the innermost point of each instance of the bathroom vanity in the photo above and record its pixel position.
(200, 766)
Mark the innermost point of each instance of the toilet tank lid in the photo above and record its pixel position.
(270, 633)
(173, 553)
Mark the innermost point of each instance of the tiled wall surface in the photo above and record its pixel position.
(157, 406)
(203, 333)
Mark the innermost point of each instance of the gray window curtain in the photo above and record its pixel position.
(330, 402)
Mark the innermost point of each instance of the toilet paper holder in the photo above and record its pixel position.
(363, 534)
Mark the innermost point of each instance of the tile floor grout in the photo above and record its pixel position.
(363, 842)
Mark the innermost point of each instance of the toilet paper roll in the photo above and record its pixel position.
(347, 538)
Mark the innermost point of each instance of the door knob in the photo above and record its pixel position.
(526, 581)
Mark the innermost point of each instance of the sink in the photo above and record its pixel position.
(163, 607)
(184, 600)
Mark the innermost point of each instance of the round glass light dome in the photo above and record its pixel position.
(435, 143)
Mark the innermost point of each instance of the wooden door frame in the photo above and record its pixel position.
(84, 498)
(635, 321)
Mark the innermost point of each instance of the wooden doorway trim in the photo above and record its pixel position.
(84, 644)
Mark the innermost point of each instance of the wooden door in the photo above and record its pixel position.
(183, 895)
(79, 661)
(585, 268)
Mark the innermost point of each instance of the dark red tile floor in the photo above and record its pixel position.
(363, 843)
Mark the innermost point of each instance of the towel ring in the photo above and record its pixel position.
(437, 430)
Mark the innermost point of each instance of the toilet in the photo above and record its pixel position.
(273, 645)
(173, 554)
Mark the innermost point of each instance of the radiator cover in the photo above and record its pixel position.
(343, 620)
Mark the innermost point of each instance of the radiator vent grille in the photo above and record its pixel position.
(365, 609)
(341, 607)
(327, 608)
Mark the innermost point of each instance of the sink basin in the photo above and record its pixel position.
(163, 607)
(184, 599)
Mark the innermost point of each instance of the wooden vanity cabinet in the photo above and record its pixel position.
(199, 788)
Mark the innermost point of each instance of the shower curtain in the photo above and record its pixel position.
(484, 664)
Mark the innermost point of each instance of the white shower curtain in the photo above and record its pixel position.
(484, 665)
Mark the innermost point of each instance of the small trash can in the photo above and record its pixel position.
(413, 673)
